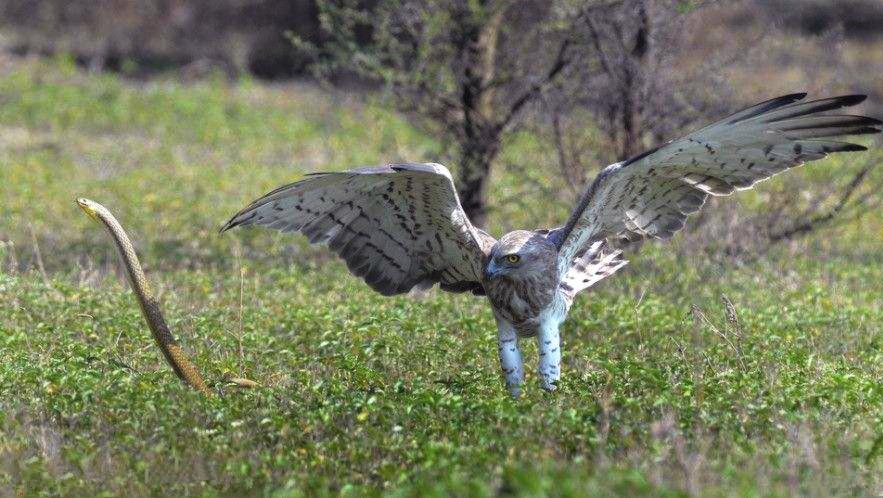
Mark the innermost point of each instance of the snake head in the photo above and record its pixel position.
(88, 207)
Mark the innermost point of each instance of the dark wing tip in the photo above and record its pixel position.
(227, 226)
(777, 102)
(231, 223)
(850, 100)
(865, 120)
(765, 107)
(238, 219)
(784, 100)
(851, 148)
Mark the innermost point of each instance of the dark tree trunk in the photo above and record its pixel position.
(632, 83)
(630, 135)
(479, 135)
(472, 180)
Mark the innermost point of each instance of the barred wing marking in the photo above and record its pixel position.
(595, 264)
(397, 227)
(652, 194)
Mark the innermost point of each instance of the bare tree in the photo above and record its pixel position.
(464, 70)
(634, 77)
(642, 82)
(470, 71)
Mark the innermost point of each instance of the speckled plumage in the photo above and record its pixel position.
(519, 296)
(400, 227)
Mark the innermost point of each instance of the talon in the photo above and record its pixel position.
(549, 385)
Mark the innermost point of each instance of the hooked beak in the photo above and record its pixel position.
(491, 270)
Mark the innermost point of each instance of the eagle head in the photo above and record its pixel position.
(521, 255)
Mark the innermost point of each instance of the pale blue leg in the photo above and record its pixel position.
(549, 347)
(510, 357)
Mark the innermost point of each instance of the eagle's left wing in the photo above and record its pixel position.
(652, 194)
(398, 226)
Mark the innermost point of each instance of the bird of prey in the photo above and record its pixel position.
(401, 227)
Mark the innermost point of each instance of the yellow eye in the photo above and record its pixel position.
(513, 258)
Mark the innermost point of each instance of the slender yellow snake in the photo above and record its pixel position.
(173, 353)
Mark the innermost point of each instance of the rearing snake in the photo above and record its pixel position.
(173, 353)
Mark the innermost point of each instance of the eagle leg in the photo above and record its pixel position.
(549, 347)
(510, 357)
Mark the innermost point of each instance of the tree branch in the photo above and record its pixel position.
(561, 62)
(567, 166)
(818, 220)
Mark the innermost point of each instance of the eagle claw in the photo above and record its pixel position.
(549, 385)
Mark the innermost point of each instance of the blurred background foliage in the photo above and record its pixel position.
(633, 73)
(250, 35)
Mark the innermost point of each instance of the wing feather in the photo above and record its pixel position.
(595, 264)
(397, 227)
(652, 194)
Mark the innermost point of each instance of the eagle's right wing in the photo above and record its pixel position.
(652, 194)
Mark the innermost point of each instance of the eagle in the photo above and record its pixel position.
(401, 227)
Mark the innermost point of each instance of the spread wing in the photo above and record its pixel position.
(397, 227)
(652, 194)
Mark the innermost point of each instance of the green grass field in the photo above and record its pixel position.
(367, 396)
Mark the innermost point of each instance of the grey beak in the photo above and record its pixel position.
(490, 271)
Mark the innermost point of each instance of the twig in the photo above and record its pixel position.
(818, 220)
(242, 272)
(699, 316)
(38, 255)
(561, 62)
(567, 166)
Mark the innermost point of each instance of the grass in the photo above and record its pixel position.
(662, 394)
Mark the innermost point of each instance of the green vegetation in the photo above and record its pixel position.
(365, 395)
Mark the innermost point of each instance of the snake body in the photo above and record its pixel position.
(173, 353)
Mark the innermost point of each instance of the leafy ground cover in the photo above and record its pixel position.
(665, 393)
